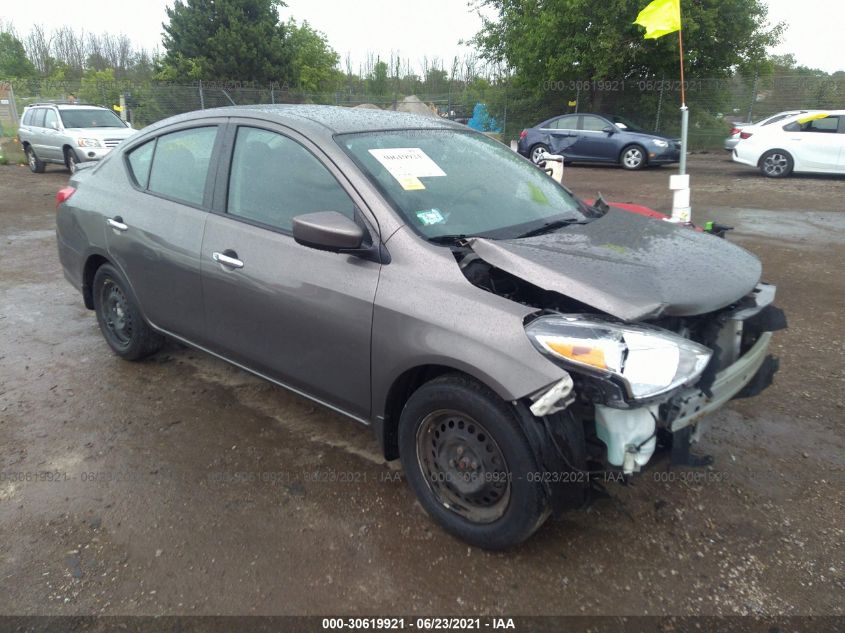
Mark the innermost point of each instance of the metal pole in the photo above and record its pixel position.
(13, 107)
(753, 95)
(660, 103)
(682, 166)
(202, 101)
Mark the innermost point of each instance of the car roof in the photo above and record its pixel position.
(74, 106)
(324, 119)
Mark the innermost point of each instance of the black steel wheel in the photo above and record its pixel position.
(463, 465)
(119, 317)
(469, 462)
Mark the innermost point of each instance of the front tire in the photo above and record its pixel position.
(470, 464)
(120, 319)
(633, 157)
(36, 165)
(776, 163)
(71, 161)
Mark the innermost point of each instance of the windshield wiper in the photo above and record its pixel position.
(449, 239)
(548, 227)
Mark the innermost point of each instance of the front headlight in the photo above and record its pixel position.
(648, 360)
(88, 142)
(659, 143)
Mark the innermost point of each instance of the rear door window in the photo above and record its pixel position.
(180, 164)
(565, 123)
(38, 117)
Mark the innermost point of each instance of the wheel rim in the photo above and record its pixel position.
(775, 164)
(537, 153)
(633, 158)
(71, 163)
(463, 466)
(30, 157)
(116, 315)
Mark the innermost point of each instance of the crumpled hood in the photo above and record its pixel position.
(629, 266)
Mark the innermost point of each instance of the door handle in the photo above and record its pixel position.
(117, 223)
(227, 260)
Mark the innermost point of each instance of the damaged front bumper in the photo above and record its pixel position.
(692, 404)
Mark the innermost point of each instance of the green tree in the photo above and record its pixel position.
(377, 81)
(551, 40)
(313, 62)
(13, 60)
(225, 39)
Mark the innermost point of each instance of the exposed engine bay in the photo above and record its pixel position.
(618, 431)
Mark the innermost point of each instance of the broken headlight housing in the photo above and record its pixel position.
(648, 361)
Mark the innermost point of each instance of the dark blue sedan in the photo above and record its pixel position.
(598, 138)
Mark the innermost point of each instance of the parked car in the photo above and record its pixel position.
(502, 338)
(809, 142)
(741, 131)
(69, 134)
(598, 138)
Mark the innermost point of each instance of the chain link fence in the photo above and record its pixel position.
(653, 104)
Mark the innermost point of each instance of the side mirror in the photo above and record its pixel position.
(327, 231)
(609, 129)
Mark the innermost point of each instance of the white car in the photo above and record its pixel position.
(741, 131)
(809, 142)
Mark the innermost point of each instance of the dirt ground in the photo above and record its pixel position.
(181, 485)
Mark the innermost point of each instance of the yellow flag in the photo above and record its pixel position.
(660, 18)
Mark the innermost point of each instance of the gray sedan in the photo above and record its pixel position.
(503, 339)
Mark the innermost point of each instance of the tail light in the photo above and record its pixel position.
(745, 135)
(735, 130)
(523, 134)
(64, 194)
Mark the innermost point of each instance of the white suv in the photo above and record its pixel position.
(68, 134)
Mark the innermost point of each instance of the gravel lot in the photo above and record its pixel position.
(181, 485)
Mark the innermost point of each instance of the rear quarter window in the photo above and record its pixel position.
(140, 160)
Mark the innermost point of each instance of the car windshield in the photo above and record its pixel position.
(625, 124)
(89, 117)
(454, 183)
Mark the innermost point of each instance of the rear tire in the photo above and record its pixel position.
(537, 151)
(776, 163)
(36, 165)
(120, 319)
(470, 464)
(633, 157)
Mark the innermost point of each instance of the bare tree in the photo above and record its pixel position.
(38, 47)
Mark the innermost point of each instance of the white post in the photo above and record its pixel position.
(679, 184)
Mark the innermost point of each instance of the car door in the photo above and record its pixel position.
(562, 134)
(593, 142)
(817, 145)
(36, 131)
(299, 316)
(51, 142)
(155, 233)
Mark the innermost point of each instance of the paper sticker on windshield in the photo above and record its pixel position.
(429, 217)
(407, 162)
(411, 183)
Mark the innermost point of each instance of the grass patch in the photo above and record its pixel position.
(11, 152)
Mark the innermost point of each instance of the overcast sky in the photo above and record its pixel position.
(411, 28)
